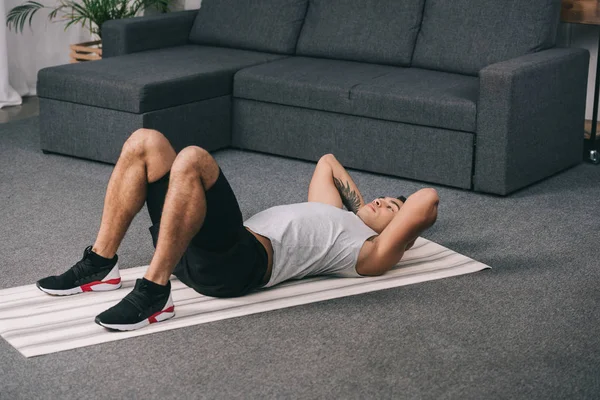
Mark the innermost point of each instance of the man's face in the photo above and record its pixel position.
(378, 213)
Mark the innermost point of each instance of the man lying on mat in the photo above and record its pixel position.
(200, 236)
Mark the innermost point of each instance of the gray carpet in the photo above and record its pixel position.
(529, 328)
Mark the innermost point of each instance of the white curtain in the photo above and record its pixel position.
(8, 95)
(43, 45)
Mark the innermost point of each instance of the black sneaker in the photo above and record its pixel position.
(138, 309)
(83, 277)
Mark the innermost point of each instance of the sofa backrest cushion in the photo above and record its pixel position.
(263, 25)
(375, 31)
(464, 36)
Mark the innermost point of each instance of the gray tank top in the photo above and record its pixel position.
(311, 239)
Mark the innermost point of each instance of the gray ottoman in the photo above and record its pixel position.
(88, 110)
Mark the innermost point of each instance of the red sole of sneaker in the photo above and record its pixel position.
(157, 317)
(97, 286)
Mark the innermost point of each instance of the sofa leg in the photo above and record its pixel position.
(593, 156)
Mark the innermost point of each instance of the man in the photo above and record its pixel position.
(200, 237)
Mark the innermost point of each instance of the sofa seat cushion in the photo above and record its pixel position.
(409, 95)
(149, 80)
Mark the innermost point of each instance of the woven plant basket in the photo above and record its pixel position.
(87, 51)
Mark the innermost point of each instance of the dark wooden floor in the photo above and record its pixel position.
(29, 108)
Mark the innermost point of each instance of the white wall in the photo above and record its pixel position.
(44, 44)
(192, 4)
(178, 5)
(586, 37)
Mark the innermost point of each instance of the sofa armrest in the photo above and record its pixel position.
(530, 118)
(130, 35)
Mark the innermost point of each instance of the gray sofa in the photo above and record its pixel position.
(465, 93)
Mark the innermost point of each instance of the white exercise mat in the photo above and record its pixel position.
(36, 323)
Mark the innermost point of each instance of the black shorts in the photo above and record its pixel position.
(223, 259)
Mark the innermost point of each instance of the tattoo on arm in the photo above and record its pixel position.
(349, 197)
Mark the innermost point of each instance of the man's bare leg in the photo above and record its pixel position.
(146, 156)
(193, 172)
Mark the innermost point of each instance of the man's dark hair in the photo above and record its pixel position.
(402, 199)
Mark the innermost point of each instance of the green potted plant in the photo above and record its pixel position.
(90, 13)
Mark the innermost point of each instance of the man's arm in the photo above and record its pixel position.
(331, 184)
(418, 213)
